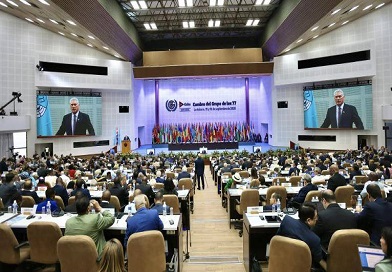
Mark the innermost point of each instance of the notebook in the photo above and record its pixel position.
(369, 256)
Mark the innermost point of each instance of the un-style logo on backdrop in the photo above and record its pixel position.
(171, 105)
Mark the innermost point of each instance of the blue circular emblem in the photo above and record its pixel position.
(171, 105)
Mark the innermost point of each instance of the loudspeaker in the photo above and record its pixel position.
(123, 109)
(283, 104)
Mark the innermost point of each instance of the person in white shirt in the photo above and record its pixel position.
(317, 175)
(373, 178)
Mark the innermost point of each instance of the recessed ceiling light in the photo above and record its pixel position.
(147, 26)
(300, 40)
(12, 3)
(212, 3)
(135, 5)
(287, 50)
(266, 2)
(185, 24)
(73, 34)
(189, 3)
(353, 8)
(314, 28)
(91, 37)
(143, 4)
(117, 56)
(331, 24)
(28, 19)
(315, 37)
(258, 2)
(61, 33)
(105, 47)
(25, 2)
(368, 7)
(221, 2)
(39, 20)
(53, 21)
(71, 22)
(249, 22)
(345, 22)
(255, 22)
(336, 11)
(4, 5)
(181, 3)
(379, 6)
(44, 2)
(153, 26)
(192, 24)
(217, 23)
(211, 23)
(89, 44)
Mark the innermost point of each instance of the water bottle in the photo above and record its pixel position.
(43, 210)
(48, 210)
(273, 207)
(278, 182)
(171, 211)
(382, 179)
(164, 209)
(278, 206)
(301, 183)
(15, 207)
(104, 187)
(359, 203)
(129, 209)
(183, 187)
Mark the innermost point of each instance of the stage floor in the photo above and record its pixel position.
(264, 147)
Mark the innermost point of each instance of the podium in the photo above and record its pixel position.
(125, 146)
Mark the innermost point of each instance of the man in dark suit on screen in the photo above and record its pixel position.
(76, 122)
(342, 115)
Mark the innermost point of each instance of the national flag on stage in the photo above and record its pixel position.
(44, 120)
(310, 111)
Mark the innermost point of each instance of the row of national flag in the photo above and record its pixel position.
(203, 132)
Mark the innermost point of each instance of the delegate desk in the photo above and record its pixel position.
(172, 233)
(233, 194)
(257, 234)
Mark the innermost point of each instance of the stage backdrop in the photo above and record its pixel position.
(202, 100)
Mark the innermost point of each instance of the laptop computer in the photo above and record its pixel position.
(370, 256)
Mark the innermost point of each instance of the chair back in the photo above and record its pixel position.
(235, 170)
(170, 175)
(71, 200)
(8, 253)
(43, 238)
(288, 254)
(343, 194)
(281, 180)
(177, 170)
(325, 172)
(27, 202)
(280, 190)
(172, 201)
(59, 202)
(319, 182)
(249, 198)
(295, 180)
(115, 202)
(77, 253)
(262, 172)
(343, 252)
(159, 185)
(312, 194)
(189, 169)
(346, 165)
(150, 245)
(244, 174)
(361, 179)
(188, 184)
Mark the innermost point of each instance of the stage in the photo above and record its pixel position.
(209, 146)
(248, 146)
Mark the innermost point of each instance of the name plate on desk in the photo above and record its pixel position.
(254, 210)
(286, 184)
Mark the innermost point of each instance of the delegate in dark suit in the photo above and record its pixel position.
(183, 175)
(120, 192)
(7, 190)
(374, 216)
(199, 171)
(335, 181)
(33, 194)
(349, 117)
(331, 219)
(82, 125)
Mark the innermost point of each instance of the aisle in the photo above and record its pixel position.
(215, 247)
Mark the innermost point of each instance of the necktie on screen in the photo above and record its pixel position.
(74, 124)
(339, 115)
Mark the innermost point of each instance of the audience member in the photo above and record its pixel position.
(112, 258)
(159, 178)
(27, 191)
(146, 189)
(143, 220)
(60, 190)
(158, 204)
(105, 200)
(71, 208)
(131, 204)
(300, 229)
(184, 173)
(376, 214)
(90, 224)
(49, 193)
(335, 179)
(373, 178)
(120, 191)
(333, 218)
(169, 188)
(7, 189)
(80, 186)
(386, 246)
(199, 171)
(299, 198)
(273, 200)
